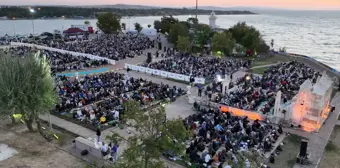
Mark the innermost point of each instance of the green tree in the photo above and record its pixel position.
(249, 37)
(86, 22)
(149, 25)
(177, 30)
(138, 27)
(187, 24)
(183, 44)
(202, 34)
(154, 136)
(109, 23)
(123, 26)
(26, 88)
(223, 42)
(166, 23)
(157, 25)
(192, 20)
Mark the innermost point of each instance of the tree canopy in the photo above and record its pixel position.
(157, 25)
(192, 20)
(154, 136)
(109, 23)
(223, 42)
(249, 37)
(201, 34)
(27, 88)
(183, 44)
(176, 30)
(138, 27)
(166, 23)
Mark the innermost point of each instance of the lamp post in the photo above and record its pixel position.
(32, 11)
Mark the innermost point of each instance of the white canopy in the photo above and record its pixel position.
(149, 31)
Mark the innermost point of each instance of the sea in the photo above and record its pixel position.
(312, 33)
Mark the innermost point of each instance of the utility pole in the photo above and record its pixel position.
(196, 8)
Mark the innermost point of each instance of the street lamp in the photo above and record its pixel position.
(32, 11)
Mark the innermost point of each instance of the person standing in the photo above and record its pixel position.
(200, 88)
(114, 152)
(98, 134)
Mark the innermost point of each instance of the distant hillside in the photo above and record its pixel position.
(122, 6)
(80, 12)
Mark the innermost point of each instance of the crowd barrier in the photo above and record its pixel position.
(77, 54)
(164, 73)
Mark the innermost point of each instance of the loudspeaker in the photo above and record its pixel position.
(303, 148)
(84, 152)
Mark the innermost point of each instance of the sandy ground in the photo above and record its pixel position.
(331, 157)
(34, 151)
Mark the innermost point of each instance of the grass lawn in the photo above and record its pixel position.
(330, 157)
(259, 70)
(271, 60)
(287, 158)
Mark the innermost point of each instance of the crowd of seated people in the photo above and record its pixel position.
(116, 47)
(60, 62)
(106, 93)
(258, 93)
(197, 66)
(219, 138)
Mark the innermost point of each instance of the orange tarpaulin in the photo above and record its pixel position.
(242, 113)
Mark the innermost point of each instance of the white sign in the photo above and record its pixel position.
(77, 54)
(164, 73)
(148, 70)
(141, 69)
(156, 72)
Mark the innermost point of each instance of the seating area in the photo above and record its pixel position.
(59, 62)
(220, 139)
(116, 47)
(256, 93)
(197, 66)
(98, 99)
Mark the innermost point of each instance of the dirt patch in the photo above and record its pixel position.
(331, 158)
(35, 152)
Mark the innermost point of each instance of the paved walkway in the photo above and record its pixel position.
(318, 141)
(69, 126)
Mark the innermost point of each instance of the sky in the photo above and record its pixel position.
(286, 4)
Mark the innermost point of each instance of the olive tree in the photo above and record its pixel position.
(26, 88)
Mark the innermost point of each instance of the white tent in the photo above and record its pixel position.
(150, 32)
(133, 31)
